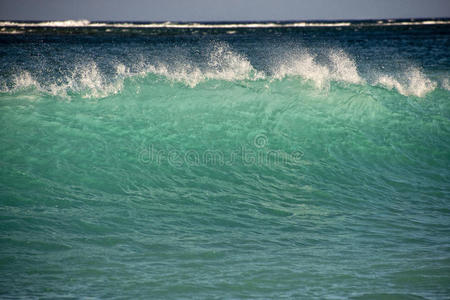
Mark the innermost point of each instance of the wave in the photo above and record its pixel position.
(85, 80)
(445, 84)
(67, 23)
(341, 68)
(220, 63)
(87, 23)
(411, 23)
(414, 83)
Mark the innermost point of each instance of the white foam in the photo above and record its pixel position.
(88, 80)
(66, 23)
(411, 83)
(445, 84)
(86, 23)
(5, 30)
(303, 65)
(227, 65)
(85, 79)
(222, 64)
(219, 62)
(121, 69)
(415, 23)
(24, 80)
(341, 68)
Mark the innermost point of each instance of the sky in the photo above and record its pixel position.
(216, 10)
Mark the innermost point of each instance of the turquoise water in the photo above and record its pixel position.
(222, 163)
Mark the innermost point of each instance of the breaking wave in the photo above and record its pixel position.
(219, 63)
(87, 23)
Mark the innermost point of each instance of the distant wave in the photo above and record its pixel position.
(86, 23)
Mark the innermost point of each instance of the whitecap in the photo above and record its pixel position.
(412, 82)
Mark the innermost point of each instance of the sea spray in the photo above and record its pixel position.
(223, 64)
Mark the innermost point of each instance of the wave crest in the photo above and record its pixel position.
(219, 62)
(412, 83)
(86, 23)
(340, 68)
(85, 79)
(222, 64)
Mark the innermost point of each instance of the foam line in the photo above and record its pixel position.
(86, 23)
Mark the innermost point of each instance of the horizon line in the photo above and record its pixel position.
(229, 21)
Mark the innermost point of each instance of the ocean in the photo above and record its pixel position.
(258, 160)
